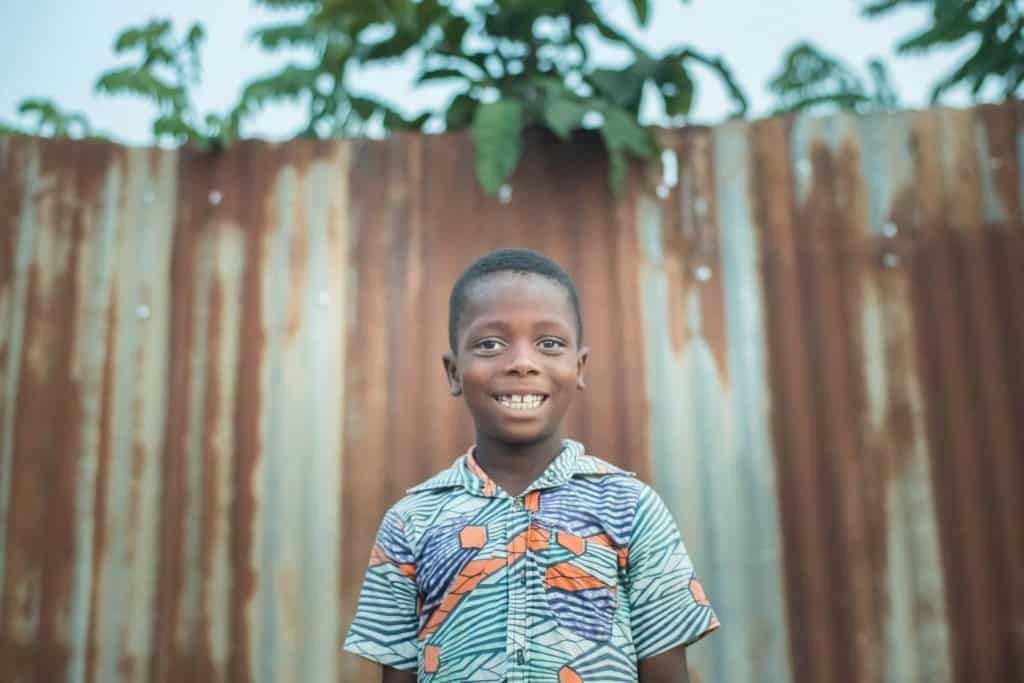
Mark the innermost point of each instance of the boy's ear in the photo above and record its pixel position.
(581, 363)
(451, 373)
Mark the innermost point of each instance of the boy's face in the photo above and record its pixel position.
(517, 360)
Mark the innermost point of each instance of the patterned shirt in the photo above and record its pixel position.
(575, 579)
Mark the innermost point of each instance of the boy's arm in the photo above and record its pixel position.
(384, 629)
(390, 675)
(668, 608)
(668, 667)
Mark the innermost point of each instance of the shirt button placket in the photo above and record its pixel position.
(517, 669)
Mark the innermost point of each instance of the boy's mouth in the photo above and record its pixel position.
(520, 401)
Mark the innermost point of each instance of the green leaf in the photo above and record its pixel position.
(640, 9)
(51, 120)
(393, 47)
(617, 168)
(623, 87)
(564, 113)
(810, 77)
(9, 129)
(454, 30)
(624, 135)
(364, 107)
(394, 121)
(290, 83)
(149, 34)
(497, 129)
(141, 83)
(621, 131)
(676, 87)
(427, 13)
(460, 112)
(196, 34)
(722, 70)
(441, 74)
(174, 127)
(286, 4)
(285, 35)
(879, 7)
(42, 107)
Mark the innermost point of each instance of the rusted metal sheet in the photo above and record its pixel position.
(218, 371)
(708, 397)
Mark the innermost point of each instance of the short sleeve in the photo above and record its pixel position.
(386, 624)
(667, 604)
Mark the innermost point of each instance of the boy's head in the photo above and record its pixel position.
(523, 261)
(517, 357)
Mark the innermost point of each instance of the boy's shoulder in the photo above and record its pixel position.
(430, 490)
(586, 465)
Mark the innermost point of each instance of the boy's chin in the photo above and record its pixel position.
(520, 438)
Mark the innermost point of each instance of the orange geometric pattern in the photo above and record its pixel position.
(468, 579)
(569, 577)
(431, 659)
(473, 537)
(538, 538)
(567, 675)
(698, 592)
(571, 542)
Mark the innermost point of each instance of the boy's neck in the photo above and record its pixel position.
(514, 467)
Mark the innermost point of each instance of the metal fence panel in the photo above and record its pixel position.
(218, 371)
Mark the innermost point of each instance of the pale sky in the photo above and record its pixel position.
(57, 49)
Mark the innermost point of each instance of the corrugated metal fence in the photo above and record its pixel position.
(216, 372)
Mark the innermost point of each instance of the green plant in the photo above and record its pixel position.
(50, 121)
(514, 63)
(166, 70)
(332, 108)
(994, 27)
(810, 78)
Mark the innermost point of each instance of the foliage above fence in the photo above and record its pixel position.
(514, 64)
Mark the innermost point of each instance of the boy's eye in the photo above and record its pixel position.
(488, 345)
(550, 344)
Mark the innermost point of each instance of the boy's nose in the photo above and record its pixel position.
(522, 362)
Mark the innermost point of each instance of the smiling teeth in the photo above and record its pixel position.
(517, 402)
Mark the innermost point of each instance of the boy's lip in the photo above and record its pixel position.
(498, 395)
(524, 403)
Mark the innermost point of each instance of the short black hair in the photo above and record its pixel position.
(525, 261)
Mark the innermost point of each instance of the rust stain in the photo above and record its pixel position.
(809, 594)
(823, 278)
(104, 446)
(248, 400)
(945, 328)
(168, 664)
(53, 651)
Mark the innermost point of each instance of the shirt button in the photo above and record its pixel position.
(520, 657)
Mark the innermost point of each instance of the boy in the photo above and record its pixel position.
(526, 560)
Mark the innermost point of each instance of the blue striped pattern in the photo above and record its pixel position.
(587, 613)
(578, 580)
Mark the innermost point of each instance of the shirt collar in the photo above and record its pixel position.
(570, 462)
